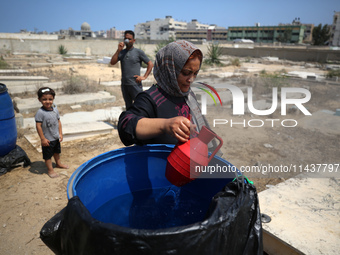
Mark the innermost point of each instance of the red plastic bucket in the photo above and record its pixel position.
(177, 168)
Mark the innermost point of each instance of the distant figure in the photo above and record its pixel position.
(131, 61)
(49, 129)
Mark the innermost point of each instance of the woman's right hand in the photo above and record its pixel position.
(178, 127)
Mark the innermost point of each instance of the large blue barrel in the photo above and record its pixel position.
(128, 187)
(8, 129)
(121, 202)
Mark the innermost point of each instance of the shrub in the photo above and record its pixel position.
(333, 73)
(213, 55)
(3, 63)
(235, 62)
(62, 50)
(77, 84)
(270, 80)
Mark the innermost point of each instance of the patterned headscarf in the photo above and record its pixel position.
(168, 64)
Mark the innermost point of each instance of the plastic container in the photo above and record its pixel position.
(120, 202)
(128, 187)
(185, 157)
(8, 129)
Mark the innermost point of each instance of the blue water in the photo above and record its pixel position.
(154, 209)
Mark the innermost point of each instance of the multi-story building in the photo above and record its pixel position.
(335, 30)
(209, 33)
(159, 29)
(85, 32)
(195, 25)
(308, 36)
(100, 34)
(165, 29)
(142, 31)
(115, 34)
(268, 34)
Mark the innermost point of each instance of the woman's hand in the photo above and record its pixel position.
(178, 127)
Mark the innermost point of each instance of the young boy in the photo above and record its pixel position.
(49, 129)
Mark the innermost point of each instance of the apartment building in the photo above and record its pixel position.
(210, 33)
(268, 34)
(159, 29)
(165, 29)
(113, 33)
(335, 30)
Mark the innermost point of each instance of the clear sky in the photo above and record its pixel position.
(50, 16)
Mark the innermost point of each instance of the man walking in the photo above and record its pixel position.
(131, 60)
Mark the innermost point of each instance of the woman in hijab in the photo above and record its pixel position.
(161, 114)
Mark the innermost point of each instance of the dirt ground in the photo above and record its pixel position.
(29, 197)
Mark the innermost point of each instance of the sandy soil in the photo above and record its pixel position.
(29, 197)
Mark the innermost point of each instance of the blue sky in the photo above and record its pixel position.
(50, 16)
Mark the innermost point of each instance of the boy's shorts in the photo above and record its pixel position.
(48, 151)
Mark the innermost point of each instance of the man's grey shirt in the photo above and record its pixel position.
(131, 62)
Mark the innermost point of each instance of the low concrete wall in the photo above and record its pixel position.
(101, 47)
(106, 47)
(294, 54)
(96, 47)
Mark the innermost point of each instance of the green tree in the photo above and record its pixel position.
(321, 34)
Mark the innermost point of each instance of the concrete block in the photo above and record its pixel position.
(75, 58)
(337, 112)
(321, 121)
(19, 120)
(111, 83)
(27, 105)
(303, 75)
(304, 215)
(77, 106)
(40, 64)
(106, 60)
(23, 80)
(13, 71)
(74, 131)
(88, 51)
(271, 58)
(32, 88)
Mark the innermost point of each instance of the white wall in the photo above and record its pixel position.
(27, 36)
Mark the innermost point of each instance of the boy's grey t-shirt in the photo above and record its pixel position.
(131, 62)
(49, 122)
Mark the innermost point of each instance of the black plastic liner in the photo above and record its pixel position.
(232, 226)
(14, 157)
